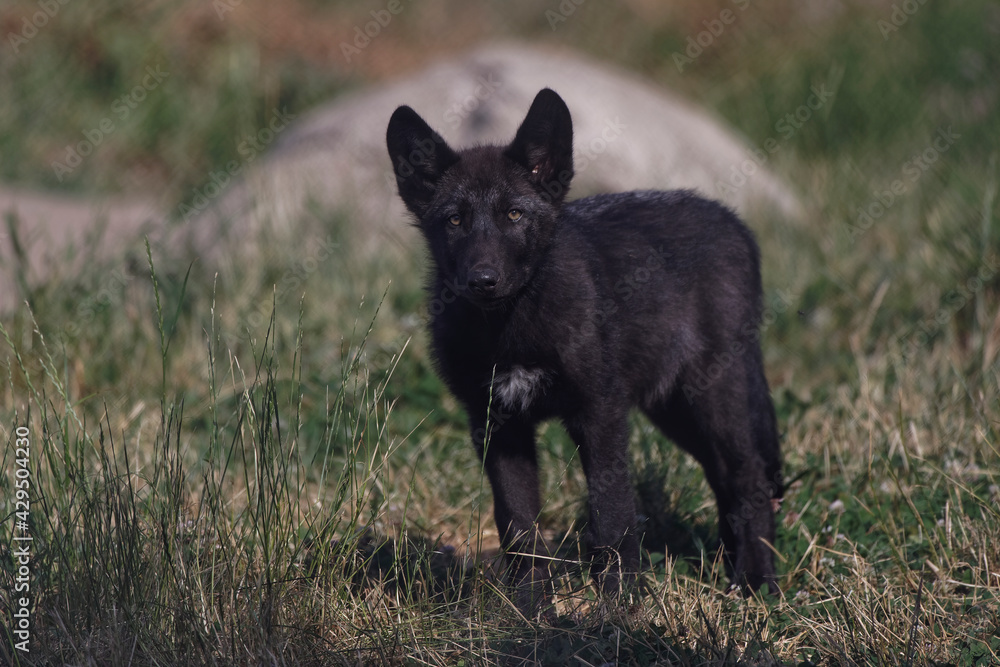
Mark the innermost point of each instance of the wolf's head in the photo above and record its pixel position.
(489, 212)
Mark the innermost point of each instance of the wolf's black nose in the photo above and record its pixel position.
(482, 281)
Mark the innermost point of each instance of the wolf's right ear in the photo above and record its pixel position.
(419, 157)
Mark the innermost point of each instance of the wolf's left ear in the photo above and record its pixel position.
(544, 144)
(419, 158)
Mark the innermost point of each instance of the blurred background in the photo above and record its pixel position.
(232, 62)
(895, 77)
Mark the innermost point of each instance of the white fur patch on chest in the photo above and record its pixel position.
(517, 388)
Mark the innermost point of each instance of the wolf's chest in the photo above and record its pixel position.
(519, 387)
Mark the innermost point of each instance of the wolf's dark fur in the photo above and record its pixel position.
(581, 311)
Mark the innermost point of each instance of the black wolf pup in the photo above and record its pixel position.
(581, 310)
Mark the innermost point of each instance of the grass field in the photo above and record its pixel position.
(216, 476)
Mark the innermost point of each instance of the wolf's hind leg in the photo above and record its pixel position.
(714, 424)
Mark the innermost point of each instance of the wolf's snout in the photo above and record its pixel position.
(483, 280)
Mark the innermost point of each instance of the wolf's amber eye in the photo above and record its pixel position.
(514, 214)
(455, 220)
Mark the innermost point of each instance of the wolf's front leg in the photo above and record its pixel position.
(511, 463)
(602, 439)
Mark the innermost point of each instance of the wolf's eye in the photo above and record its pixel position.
(514, 214)
(455, 220)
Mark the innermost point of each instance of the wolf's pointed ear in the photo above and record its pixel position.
(419, 157)
(544, 144)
